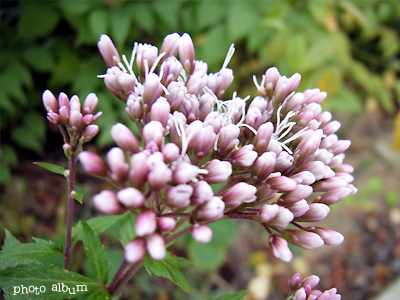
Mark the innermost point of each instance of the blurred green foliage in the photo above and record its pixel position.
(348, 48)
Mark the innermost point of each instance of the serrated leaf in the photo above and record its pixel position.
(51, 277)
(95, 253)
(167, 268)
(43, 15)
(234, 296)
(127, 228)
(17, 251)
(50, 167)
(98, 224)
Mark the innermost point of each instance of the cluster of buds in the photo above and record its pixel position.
(303, 289)
(74, 121)
(275, 160)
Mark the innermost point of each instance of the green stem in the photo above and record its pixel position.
(70, 212)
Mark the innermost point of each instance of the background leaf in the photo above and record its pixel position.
(52, 168)
(95, 252)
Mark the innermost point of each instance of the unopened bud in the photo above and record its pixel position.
(202, 233)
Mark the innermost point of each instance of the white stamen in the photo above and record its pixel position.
(122, 67)
(154, 66)
(228, 57)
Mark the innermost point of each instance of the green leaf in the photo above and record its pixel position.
(57, 282)
(142, 16)
(98, 224)
(77, 196)
(216, 46)
(52, 168)
(234, 296)
(209, 13)
(100, 295)
(224, 231)
(167, 268)
(99, 20)
(120, 26)
(37, 18)
(39, 58)
(14, 250)
(242, 19)
(207, 256)
(164, 11)
(127, 228)
(95, 253)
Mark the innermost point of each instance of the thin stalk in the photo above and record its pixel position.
(70, 211)
(118, 275)
(124, 278)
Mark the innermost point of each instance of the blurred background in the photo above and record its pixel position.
(350, 49)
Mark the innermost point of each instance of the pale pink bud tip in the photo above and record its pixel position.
(156, 246)
(166, 223)
(108, 50)
(93, 164)
(135, 250)
(146, 223)
(107, 202)
(131, 197)
(280, 248)
(202, 233)
(124, 138)
(49, 101)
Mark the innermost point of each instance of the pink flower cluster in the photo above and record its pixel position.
(201, 157)
(303, 289)
(74, 121)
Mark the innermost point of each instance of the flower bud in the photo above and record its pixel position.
(75, 121)
(282, 183)
(153, 131)
(139, 169)
(63, 100)
(131, 197)
(202, 233)
(303, 239)
(271, 79)
(202, 192)
(295, 281)
(228, 138)
(156, 246)
(298, 208)
(170, 152)
(179, 196)
(264, 134)
(135, 250)
(93, 164)
(276, 215)
(170, 69)
(334, 195)
(340, 146)
(75, 104)
(146, 223)
(283, 162)
(170, 44)
(124, 138)
(316, 213)
(304, 177)
(64, 114)
(145, 57)
(166, 223)
(185, 172)
(176, 94)
(264, 166)
(210, 210)
(90, 104)
(152, 90)
(160, 111)
(186, 53)
(314, 95)
(280, 248)
(244, 156)
(300, 294)
(89, 133)
(49, 101)
(300, 192)
(239, 193)
(159, 176)
(53, 118)
(108, 50)
(117, 164)
(328, 184)
(330, 237)
(218, 171)
(107, 202)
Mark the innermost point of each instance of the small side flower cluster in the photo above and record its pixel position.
(303, 289)
(275, 160)
(74, 121)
